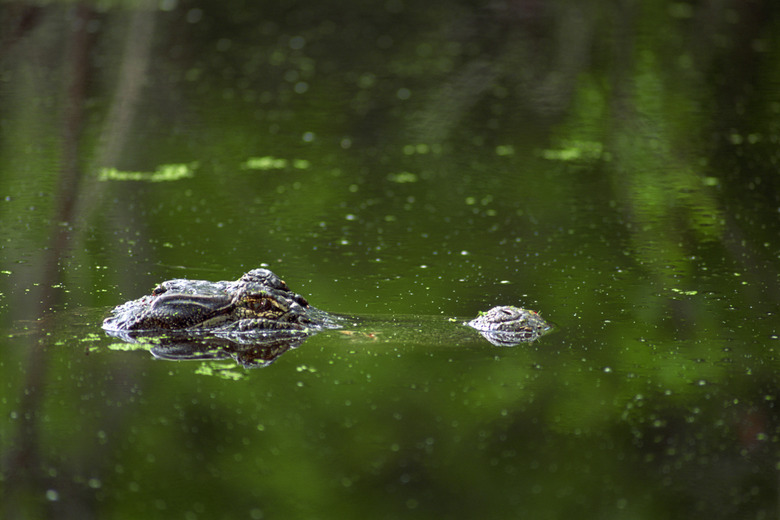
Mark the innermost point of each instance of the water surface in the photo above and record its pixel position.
(613, 168)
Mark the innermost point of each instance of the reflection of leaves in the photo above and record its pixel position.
(163, 173)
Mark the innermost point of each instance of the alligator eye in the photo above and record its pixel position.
(159, 290)
(261, 303)
(257, 303)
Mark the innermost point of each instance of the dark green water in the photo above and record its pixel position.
(613, 166)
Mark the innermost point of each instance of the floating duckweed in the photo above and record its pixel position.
(574, 150)
(402, 177)
(222, 370)
(264, 163)
(129, 346)
(274, 163)
(163, 173)
(505, 150)
(685, 293)
(421, 149)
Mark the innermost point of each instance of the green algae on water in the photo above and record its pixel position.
(163, 173)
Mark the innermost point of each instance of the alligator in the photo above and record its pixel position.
(260, 314)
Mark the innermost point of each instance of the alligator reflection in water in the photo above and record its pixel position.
(257, 318)
(251, 350)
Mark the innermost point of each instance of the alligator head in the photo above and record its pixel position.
(507, 325)
(259, 300)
